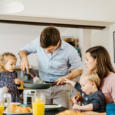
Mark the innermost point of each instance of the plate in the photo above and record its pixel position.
(52, 107)
(16, 103)
(6, 113)
(37, 86)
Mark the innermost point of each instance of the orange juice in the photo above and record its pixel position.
(1, 110)
(21, 85)
(38, 108)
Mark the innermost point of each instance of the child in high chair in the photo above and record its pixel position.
(8, 75)
(88, 88)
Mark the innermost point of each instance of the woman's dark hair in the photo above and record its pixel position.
(104, 65)
(50, 36)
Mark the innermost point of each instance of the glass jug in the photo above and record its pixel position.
(38, 104)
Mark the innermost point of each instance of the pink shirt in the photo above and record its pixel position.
(108, 87)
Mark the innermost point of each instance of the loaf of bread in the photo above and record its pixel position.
(13, 108)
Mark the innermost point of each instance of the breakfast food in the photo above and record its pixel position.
(13, 108)
(70, 112)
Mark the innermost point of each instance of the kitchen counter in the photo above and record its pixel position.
(54, 112)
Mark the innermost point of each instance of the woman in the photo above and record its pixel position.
(98, 59)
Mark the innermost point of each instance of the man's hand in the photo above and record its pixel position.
(24, 63)
(60, 81)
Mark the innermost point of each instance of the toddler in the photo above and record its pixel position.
(88, 87)
(8, 75)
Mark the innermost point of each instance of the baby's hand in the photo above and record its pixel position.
(17, 81)
(73, 99)
(77, 107)
(6, 89)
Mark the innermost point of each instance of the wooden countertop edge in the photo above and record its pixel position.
(94, 113)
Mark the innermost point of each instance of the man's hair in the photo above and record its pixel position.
(104, 65)
(92, 77)
(50, 36)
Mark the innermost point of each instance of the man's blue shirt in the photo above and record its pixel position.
(57, 64)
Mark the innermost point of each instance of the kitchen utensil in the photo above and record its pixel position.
(52, 107)
(37, 86)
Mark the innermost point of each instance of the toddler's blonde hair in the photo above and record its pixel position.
(4, 59)
(91, 76)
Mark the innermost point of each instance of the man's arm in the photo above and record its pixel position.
(74, 73)
(24, 63)
(71, 75)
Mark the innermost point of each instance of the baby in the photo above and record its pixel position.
(8, 77)
(88, 87)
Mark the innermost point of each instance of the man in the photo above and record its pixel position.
(57, 60)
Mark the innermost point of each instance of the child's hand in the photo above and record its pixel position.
(17, 81)
(73, 99)
(70, 82)
(77, 107)
(6, 89)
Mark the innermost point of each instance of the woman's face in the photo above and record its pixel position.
(90, 62)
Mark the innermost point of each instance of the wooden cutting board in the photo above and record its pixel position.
(71, 112)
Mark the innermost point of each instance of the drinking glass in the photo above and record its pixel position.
(1, 109)
(38, 104)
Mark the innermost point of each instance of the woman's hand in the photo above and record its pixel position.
(17, 81)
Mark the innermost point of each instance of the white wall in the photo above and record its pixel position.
(104, 38)
(13, 37)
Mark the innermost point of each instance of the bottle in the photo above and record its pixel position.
(5, 98)
(2, 92)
